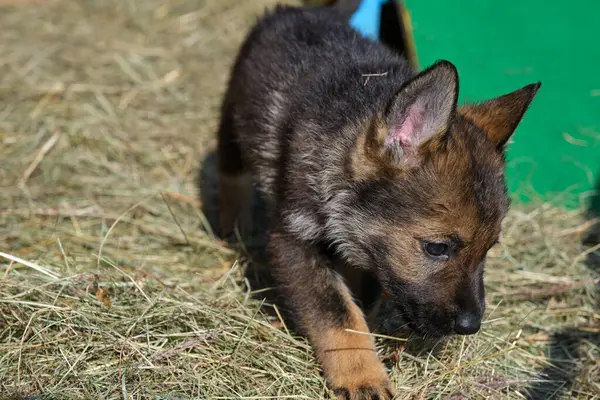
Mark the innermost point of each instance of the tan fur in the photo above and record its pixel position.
(349, 359)
(367, 158)
(353, 278)
(362, 164)
(499, 117)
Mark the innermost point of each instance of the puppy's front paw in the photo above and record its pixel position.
(360, 378)
(382, 391)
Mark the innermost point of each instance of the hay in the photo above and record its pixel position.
(111, 288)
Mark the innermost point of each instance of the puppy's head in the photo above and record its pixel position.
(428, 198)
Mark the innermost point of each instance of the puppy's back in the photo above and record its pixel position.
(302, 66)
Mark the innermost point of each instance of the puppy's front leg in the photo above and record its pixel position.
(324, 309)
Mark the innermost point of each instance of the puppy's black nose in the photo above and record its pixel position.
(467, 323)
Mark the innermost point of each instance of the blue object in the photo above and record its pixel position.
(366, 19)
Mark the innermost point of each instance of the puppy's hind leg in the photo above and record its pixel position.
(235, 183)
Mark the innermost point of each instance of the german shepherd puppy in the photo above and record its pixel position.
(378, 182)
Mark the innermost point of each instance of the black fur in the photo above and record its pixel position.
(314, 62)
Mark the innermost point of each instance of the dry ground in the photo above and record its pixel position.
(111, 282)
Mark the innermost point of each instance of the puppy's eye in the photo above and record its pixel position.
(436, 249)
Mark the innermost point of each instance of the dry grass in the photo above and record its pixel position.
(111, 284)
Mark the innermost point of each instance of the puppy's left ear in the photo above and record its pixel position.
(499, 117)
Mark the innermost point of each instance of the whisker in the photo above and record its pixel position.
(399, 314)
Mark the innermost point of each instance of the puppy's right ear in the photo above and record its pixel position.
(423, 108)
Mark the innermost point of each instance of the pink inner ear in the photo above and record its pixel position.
(408, 131)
